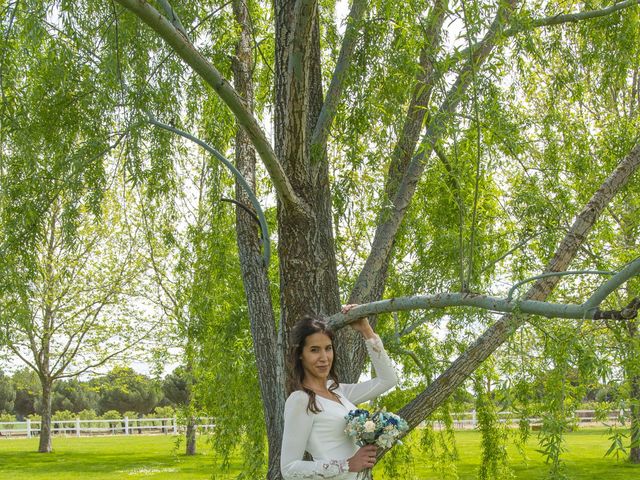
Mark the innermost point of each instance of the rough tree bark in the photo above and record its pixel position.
(308, 273)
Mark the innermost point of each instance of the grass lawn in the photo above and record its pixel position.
(584, 459)
(156, 457)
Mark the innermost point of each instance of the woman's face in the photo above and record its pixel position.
(317, 356)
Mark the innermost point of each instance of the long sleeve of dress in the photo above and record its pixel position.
(297, 429)
(386, 375)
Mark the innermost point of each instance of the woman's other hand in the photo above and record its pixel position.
(365, 457)
(360, 325)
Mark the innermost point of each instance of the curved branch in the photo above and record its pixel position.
(551, 21)
(631, 270)
(266, 244)
(556, 274)
(187, 52)
(242, 206)
(571, 17)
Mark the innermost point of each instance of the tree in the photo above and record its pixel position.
(80, 286)
(7, 393)
(425, 132)
(28, 392)
(174, 387)
(73, 396)
(124, 390)
(298, 168)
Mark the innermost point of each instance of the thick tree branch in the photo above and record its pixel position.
(336, 87)
(187, 52)
(303, 14)
(631, 270)
(173, 17)
(586, 310)
(255, 276)
(627, 313)
(393, 216)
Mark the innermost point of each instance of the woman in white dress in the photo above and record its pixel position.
(314, 414)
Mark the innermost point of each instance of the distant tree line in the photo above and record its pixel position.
(122, 390)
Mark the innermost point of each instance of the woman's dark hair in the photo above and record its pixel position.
(308, 325)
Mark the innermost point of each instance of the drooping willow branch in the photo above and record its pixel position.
(588, 310)
(184, 49)
(266, 244)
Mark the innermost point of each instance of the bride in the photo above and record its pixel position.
(314, 414)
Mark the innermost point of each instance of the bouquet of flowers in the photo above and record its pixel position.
(381, 429)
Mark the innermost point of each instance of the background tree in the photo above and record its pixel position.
(124, 390)
(28, 392)
(73, 396)
(80, 286)
(7, 393)
(174, 388)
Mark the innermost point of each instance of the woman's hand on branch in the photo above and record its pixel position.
(360, 325)
(365, 457)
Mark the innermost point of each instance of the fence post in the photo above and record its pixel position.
(126, 425)
(77, 427)
(28, 428)
(474, 421)
(175, 426)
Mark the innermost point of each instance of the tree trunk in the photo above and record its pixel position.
(269, 359)
(633, 377)
(44, 445)
(191, 436)
(308, 273)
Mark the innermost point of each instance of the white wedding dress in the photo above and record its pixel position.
(322, 434)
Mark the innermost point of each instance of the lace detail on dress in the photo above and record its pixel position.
(330, 469)
(376, 346)
(342, 465)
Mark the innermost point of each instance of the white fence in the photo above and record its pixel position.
(468, 420)
(133, 426)
(118, 426)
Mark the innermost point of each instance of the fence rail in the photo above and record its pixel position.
(117, 426)
(170, 425)
(468, 420)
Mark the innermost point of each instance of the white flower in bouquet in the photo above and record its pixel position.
(382, 429)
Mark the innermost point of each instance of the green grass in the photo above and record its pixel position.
(156, 457)
(584, 459)
(102, 458)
